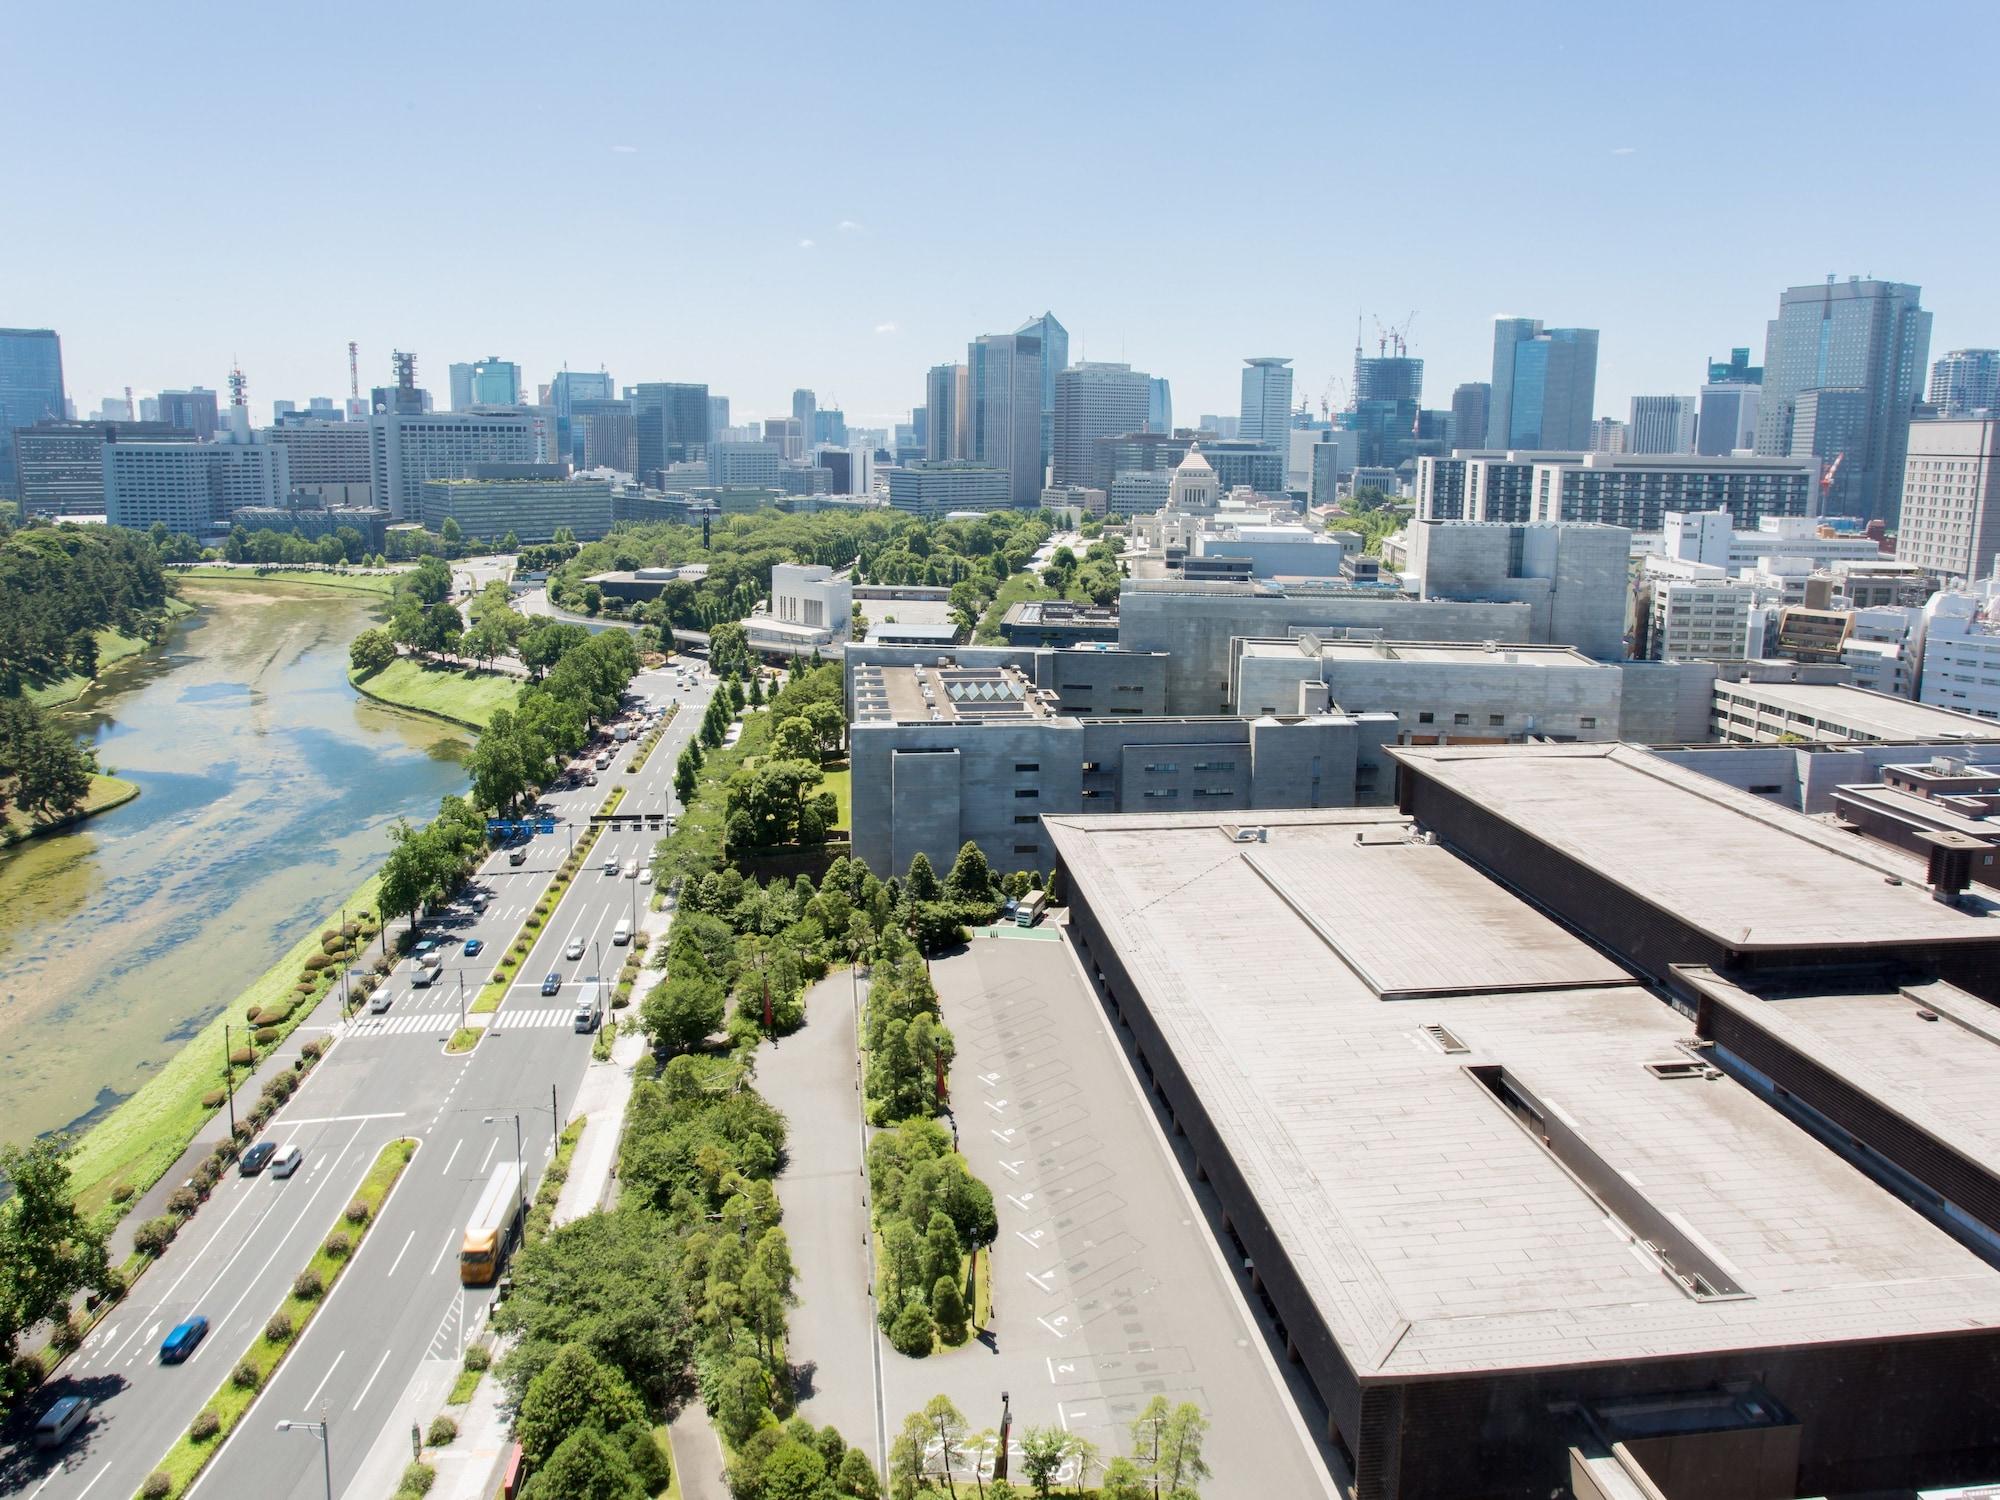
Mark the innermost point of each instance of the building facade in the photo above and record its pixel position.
(1266, 414)
(1004, 407)
(1470, 405)
(1544, 387)
(329, 460)
(60, 465)
(532, 509)
(1095, 400)
(1964, 381)
(192, 411)
(932, 490)
(407, 451)
(1636, 492)
(191, 488)
(1572, 577)
(1868, 337)
(1950, 522)
(31, 391)
(1055, 359)
(1662, 424)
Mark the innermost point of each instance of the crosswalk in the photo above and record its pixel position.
(444, 1025)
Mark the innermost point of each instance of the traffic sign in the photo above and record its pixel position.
(545, 825)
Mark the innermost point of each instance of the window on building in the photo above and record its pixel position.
(1494, 721)
(1021, 766)
(1027, 817)
(1424, 718)
(1587, 722)
(1026, 791)
(1027, 848)
(1164, 767)
(1461, 719)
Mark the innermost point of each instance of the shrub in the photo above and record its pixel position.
(312, 1049)
(478, 1357)
(206, 1424)
(279, 1328)
(417, 1480)
(357, 1212)
(183, 1201)
(328, 938)
(315, 962)
(254, 1014)
(244, 1130)
(913, 1332)
(207, 1172)
(69, 1332)
(159, 1484)
(153, 1236)
(641, 941)
(338, 1245)
(210, 1100)
(124, 1190)
(25, 1371)
(266, 1035)
(242, 1057)
(384, 963)
(442, 1430)
(307, 1285)
(247, 1375)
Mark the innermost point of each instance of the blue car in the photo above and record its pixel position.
(179, 1344)
(473, 947)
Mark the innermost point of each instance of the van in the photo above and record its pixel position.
(604, 761)
(61, 1420)
(621, 734)
(622, 933)
(589, 1012)
(631, 869)
(422, 978)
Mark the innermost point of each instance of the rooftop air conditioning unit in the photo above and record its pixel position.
(1253, 835)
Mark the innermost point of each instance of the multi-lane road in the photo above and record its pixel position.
(386, 1075)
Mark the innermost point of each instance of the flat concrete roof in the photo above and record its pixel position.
(1920, 812)
(1452, 653)
(927, 693)
(1437, 1236)
(1940, 1075)
(1876, 714)
(1728, 863)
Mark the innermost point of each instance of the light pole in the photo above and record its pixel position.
(229, 1082)
(461, 999)
(323, 1431)
(520, 1169)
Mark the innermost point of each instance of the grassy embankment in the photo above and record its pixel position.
(113, 646)
(136, 1143)
(383, 584)
(106, 792)
(190, 1455)
(460, 695)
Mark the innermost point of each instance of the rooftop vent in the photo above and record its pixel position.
(1446, 1040)
(1252, 836)
(1681, 1067)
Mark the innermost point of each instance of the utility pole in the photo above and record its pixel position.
(461, 999)
(555, 1118)
(229, 1082)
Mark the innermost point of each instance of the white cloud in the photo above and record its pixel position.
(848, 226)
(625, 150)
(885, 327)
(1624, 150)
(805, 244)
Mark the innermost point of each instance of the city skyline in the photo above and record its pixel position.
(857, 294)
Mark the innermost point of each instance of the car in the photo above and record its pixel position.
(379, 1004)
(611, 865)
(646, 876)
(255, 1158)
(575, 949)
(591, 779)
(61, 1420)
(631, 869)
(289, 1163)
(553, 983)
(179, 1344)
(517, 855)
(474, 946)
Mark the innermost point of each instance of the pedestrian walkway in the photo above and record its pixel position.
(697, 1456)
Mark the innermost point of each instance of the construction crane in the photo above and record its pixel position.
(1393, 336)
(1329, 399)
(1826, 479)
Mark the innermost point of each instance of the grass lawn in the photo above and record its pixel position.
(187, 1458)
(464, 697)
(141, 1138)
(106, 792)
(665, 1439)
(840, 781)
(353, 583)
(1016, 590)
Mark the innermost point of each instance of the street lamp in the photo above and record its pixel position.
(321, 1430)
(520, 1169)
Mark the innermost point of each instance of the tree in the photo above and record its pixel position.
(48, 1251)
(794, 740)
(587, 1466)
(83, 653)
(755, 695)
(948, 1309)
(913, 1332)
(921, 883)
(686, 775)
(742, 1400)
(452, 533)
(1181, 1466)
(371, 651)
(51, 771)
(729, 649)
(906, 1457)
(1123, 1480)
(944, 1421)
(1043, 1450)
(971, 878)
(575, 1390)
(429, 582)
(681, 1014)
(794, 1471)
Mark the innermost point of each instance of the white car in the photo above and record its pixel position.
(575, 949)
(646, 876)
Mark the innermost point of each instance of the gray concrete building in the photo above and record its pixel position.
(329, 459)
(1950, 522)
(191, 488)
(1576, 578)
(932, 490)
(60, 465)
(1094, 400)
(1193, 624)
(1751, 712)
(408, 450)
(490, 504)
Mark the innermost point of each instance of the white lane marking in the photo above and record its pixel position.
(491, 1146)
(325, 1378)
(371, 1381)
(344, 1119)
(93, 1483)
(452, 1239)
(399, 1254)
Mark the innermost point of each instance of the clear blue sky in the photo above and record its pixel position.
(839, 196)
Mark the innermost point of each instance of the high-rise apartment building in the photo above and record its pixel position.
(1159, 405)
(1469, 406)
(1266, 414)
(1609, 435)
(1868, 337)
(568, 388)
(1662, 424)
(192, 411)
(1950, 520)
(1544, 385)
(1095, 400)
(406, 451)
(1055, 359)
(1966, 380)
(604, 434)
(1004, 403)
(31, 391)
(718, 416)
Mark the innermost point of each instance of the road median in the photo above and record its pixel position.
(523, 942)
(225, 1411)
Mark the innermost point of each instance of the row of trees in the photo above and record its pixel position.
(60, 584)
(345, 544)
(43, 770)
(48, 1254)
(937, 1444)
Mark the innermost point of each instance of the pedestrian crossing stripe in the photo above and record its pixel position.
(447, 1023)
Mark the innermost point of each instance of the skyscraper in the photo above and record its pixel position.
(944, 405)
(1544, 386)
(192, 411)
(1267, 402)
(1159, 405)
(1727, 420)
(1966, 380)
(1869, 337)
(1004, 403)
(718, 417)
(1661, 424)
(1469, 405)
(493, 382)
(568, 388)
(671, 418)
(804, 404)
(1055, 359)
(1095, 400)
(31, 391)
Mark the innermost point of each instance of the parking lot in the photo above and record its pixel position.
(1108, 1287)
